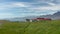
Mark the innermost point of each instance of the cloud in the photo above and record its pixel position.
(21, 9)
(53, 7)
(13, 4)
(52, 4)
(19, 4)
(50, 8)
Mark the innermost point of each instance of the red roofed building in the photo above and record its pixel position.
(38, 19)
(43, 18)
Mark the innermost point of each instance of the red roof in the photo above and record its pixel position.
(42, 19)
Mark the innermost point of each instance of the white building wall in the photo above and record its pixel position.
(30, 20)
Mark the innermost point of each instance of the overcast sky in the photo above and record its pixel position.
(22, 8)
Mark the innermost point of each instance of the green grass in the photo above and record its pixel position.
(41, 27)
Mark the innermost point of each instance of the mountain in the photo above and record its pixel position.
(16, 19)
(55, 16)
(22, 18)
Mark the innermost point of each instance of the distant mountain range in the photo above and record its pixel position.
(55, 16)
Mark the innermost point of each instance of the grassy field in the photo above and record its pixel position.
(41, 27)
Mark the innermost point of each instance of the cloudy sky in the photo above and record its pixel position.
(22, 8)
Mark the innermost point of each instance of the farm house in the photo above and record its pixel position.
(37, 19)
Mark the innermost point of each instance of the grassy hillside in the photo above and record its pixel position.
(41, 27)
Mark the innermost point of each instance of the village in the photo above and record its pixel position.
(37, 19)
